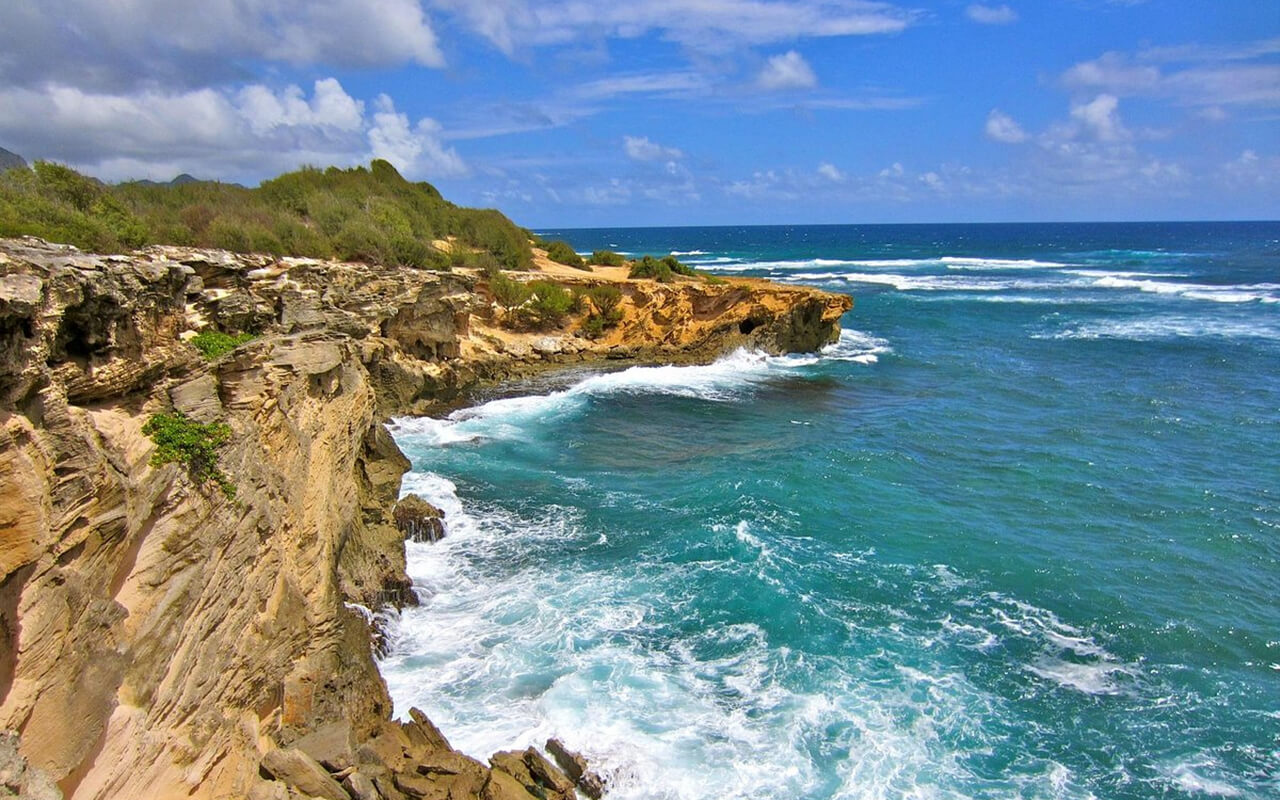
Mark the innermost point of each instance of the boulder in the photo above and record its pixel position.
(576, 767)
(418, 520)
(302, 772)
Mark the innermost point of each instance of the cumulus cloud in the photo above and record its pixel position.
(121, 46)
(246, 134)
(640, 148)
(831, 172)
(1101, 118)
(786, 71)
(1004, 128)
(991, 15)
(698, 24)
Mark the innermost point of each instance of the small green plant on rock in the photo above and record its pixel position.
(214, 344)
(193, 444)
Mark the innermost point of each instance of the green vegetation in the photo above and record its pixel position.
(662, 269)
(508, 293)
(368, 214)
(214, 344)
(192, 444)
(549, 304)
(606, 314)
(607, 258)
(563, 253)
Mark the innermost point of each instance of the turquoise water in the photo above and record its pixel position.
(1017, 535)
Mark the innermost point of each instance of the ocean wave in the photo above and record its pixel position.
(1164, 327)
(505, 652)
(961, 262)
(724, 380)
(857, 346)
(1234, 293)
(689, 252)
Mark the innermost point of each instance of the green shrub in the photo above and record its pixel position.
(563, 253)
(193, 444)
(507, 292)
(549, 303)
(662, 269)
(605, 298)
(214, 344)
(607, 258)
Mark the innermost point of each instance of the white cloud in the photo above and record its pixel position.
(991, 15)
(242, 135)
(414, 150)
(640, 148)
(787, 71)
(1003, 128)
(831, 172)
(667, 83)
(1101, 118)
(117, 46)
(707, 25)
(1204, 83)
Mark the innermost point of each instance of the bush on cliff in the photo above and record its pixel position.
(371, 214)
(549, 304)
(507, 292)
(605, 313)
(563, 253)
(193, 444)
(607, 258)
(662, 269)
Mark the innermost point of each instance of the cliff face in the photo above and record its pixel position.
(160, 639)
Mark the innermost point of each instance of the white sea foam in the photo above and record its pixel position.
(956, 262)
(726, 379)
(857, 346)
(1168, 326)
(1199, 775)
(689, 252)
(1066, 655)
(1236, 293)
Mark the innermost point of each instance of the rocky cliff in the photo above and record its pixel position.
(159, 638)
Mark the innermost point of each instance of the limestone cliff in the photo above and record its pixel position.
(159, 639)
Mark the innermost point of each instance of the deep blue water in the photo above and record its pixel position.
(1016, 536)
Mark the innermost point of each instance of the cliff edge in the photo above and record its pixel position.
(160, 638)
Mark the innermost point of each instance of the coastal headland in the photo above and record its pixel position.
(205, 627)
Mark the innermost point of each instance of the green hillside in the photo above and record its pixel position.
(364, 213)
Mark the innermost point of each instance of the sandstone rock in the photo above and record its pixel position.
(576, 768)
(300, 771)
(360, 787)
(418, 520)
(421, 729)
(332, 745)
(534, 773)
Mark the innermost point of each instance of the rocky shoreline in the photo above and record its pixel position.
(160, 638)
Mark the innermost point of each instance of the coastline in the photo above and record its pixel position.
(210, 633)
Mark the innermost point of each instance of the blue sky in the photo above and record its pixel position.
(656, 112)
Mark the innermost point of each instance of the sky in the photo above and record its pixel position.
(570, 113)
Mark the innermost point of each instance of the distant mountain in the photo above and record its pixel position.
(10, 160)
(178, 181)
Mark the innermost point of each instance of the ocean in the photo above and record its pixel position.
(1015, 535)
